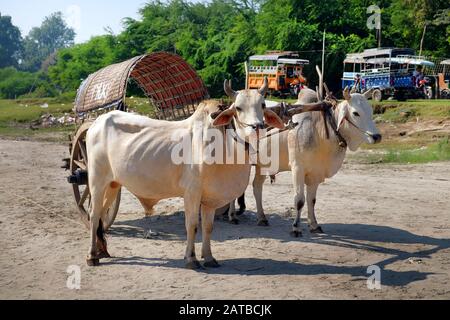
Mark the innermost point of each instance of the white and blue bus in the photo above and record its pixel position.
(391, 72)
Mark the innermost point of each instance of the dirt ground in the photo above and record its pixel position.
(396, 217)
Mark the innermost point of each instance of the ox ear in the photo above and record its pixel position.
(272, 119)
(225, 117)
(343, 112)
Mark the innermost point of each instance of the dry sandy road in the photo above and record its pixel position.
(397, 217)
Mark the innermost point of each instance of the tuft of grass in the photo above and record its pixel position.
(439, 151)
(141, 106)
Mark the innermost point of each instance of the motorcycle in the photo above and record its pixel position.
(425, 89)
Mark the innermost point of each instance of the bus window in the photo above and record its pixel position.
(289, 72)
(349, 67)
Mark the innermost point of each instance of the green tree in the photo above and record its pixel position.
(43, 41)
(10, 42)
(76, 63)
(14, 83)
(218, 36)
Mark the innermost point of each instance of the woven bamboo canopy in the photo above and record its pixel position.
(166, 79)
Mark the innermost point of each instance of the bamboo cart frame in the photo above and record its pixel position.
(169, 82)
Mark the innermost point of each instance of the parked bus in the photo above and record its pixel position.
(391, 72)
(284, 70)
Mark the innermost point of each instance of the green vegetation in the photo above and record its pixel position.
(420, 147)
(410, 154)
(17, 118)
(28, 110)
(217, 36)
(394, 111)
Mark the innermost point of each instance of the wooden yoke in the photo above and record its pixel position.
(287, 111)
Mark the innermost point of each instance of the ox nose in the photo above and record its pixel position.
(377, 138)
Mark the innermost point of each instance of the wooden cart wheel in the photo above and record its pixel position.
(79, 161)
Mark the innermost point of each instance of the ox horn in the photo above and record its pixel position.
(227, 88)
(263, 90)
(368, 94)
(346, 94)
(353, 90)
(327, 91)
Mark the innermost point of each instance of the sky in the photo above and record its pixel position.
(87, 17)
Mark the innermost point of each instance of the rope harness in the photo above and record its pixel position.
(367, 133)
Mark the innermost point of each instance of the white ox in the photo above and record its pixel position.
(136, 152)
(311, 156)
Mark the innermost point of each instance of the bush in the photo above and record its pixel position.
(66, 97)
(14, 84)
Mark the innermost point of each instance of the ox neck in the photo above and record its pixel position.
(333, 121)
(236, 138)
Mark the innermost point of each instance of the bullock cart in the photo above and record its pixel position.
(172, 86)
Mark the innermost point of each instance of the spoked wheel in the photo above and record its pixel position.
(79, 180)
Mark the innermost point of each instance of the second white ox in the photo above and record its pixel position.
(311, 155)
(137, 153)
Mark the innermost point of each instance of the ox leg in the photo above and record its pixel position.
(258, 183)
(92, 258)
(102, 198)
(232, 213)
(242, 206)
(299, 202)
(207, 228)
(191, 220)
(311, 192)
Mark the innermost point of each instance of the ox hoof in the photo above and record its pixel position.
(263, 223)
(211, 264)
(317, 230)
(234, 221)
(193, 265)
(103, 254)
(93, 262)
(296, 234)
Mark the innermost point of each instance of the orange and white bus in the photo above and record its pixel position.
(284, 70)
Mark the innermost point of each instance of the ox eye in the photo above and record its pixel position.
(356, 114)
(239, 109)
(263, 105)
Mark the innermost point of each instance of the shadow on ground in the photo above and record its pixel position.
(372, 238)
(261, 267)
